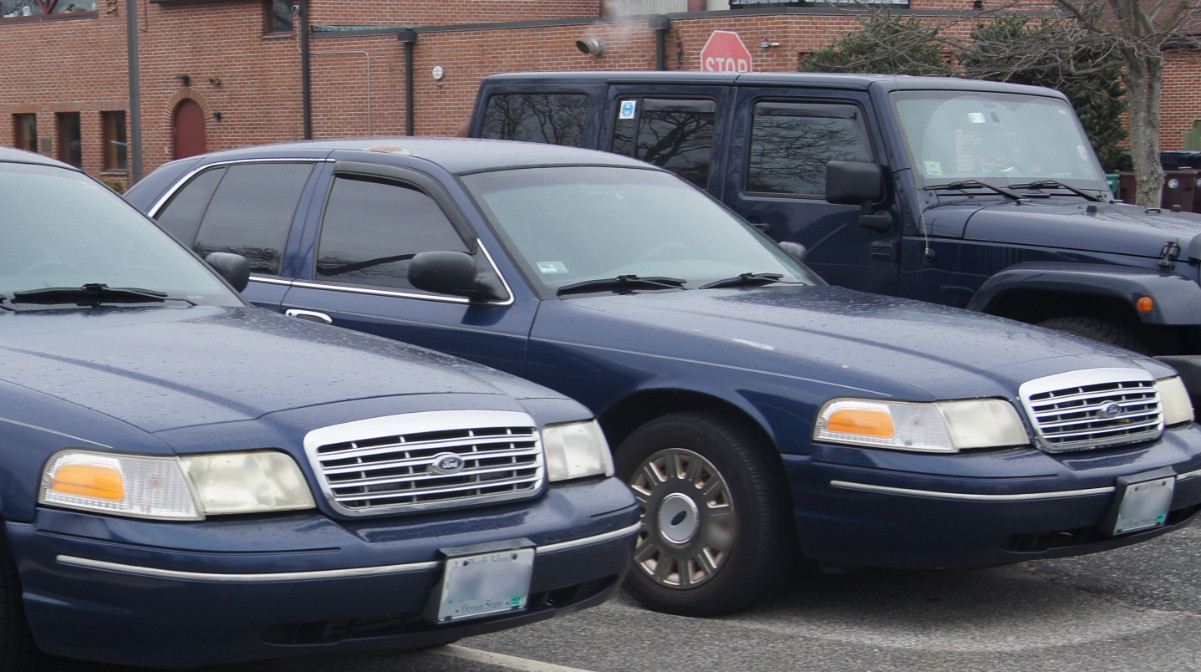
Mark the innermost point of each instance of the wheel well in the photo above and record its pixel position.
(632, 412)
(1035, 307)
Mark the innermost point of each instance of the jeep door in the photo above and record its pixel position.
(780, 142)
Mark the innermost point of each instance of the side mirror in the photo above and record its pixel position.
(233, 267)
(858, 183)
(795, 250)
(453, 273)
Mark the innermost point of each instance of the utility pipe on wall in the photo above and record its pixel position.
(408, 37)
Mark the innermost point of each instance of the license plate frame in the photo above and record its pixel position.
(1143, 504)
(484, 584)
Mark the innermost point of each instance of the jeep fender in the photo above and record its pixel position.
(1177, 299)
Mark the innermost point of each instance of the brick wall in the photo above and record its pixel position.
(249, 84)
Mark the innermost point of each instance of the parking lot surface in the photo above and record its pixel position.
(1136, 608)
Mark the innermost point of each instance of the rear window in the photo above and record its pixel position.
(551, 118)
(673, 134)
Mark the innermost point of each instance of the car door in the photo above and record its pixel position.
(781, 141)
(355, 259)
(250, 208)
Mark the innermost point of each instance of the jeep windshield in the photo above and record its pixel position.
(607, 228)
(67, 241)
(985, 142)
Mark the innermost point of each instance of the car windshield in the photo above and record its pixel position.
(572, 225)
(1000, 139)
(60, 229)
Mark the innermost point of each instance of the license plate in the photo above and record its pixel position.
(1145, 505)
(474, 586)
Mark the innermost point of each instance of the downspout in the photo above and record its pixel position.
(306, 79)
(660, 24)
(408, 37)
(135, 92)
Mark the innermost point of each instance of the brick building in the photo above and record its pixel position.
(216, 74)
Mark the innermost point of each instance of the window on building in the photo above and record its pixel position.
(12, 9)
(115, 149)
(554, 118)
(278, 16)
(674, 134)
(25, 132)
(372, 229)
(246, 209)
(791, 144)
(70, 140)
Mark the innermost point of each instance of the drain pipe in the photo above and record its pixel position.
(306, 78)
(660, 24)
(408, 37)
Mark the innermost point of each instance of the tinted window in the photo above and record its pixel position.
(181, 217)
(674, 134)
(554, 118)
(792, 143)
(251, 213)
(372, 229)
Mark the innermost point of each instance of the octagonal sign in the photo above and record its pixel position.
(725, 52)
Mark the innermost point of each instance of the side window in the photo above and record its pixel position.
(673, 134)
(791, 144)
(372, 229)
(244, 208)
(553, 118)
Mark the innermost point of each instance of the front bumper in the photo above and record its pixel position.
(905, 510)
(221, 591)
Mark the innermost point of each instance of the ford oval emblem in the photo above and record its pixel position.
(446, 464)
(1111, 410)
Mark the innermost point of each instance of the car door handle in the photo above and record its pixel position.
(310, 315)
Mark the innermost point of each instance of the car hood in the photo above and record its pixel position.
(848, 339)
(163, 368)
(1068, 224)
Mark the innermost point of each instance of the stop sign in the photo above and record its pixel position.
(725, 52)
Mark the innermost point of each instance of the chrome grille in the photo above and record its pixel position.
(1094, 408)
(426, 461)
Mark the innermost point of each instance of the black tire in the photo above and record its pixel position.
(18, 652)
(1098, 330)
(717, 531)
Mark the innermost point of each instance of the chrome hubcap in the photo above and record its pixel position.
(688, 522)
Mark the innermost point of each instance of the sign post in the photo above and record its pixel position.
(725, 52)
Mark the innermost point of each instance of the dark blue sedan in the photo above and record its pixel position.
(754, 410)
(190, 480)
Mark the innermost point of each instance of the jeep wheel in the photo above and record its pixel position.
(716, 532)
(1098, 330)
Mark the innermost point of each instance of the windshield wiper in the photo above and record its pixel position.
(975, 184)
(90, 294)
(622, 283)
(1056, 184)
(746, 279)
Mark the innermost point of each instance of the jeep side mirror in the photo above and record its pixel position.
(233, 267)
(454, 273)
(858, 183)
(795, 250)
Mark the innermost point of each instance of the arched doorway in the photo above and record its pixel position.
(190, 136)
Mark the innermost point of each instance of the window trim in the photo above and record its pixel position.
(869, 140)
(63, 151)
(269, 21)
(108, 124)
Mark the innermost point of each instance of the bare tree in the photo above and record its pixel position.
(1141, 32)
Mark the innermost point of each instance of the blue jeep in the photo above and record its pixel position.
(964, 193)
(754, 410)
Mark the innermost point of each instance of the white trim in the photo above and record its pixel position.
(964, 496)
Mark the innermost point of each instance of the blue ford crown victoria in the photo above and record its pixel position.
(192, 480)
(754, 410)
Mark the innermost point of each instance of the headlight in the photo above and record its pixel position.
(175, 488)
(576, 450)
(1177, 407)
(940, 427)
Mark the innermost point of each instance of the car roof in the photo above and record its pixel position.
(11, 155)
(851, 81)
(456, 155)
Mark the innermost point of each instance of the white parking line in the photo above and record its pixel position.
(501, 660)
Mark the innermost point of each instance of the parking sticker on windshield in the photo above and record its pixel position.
(547, 267)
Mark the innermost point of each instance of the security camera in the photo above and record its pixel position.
(593, 46)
